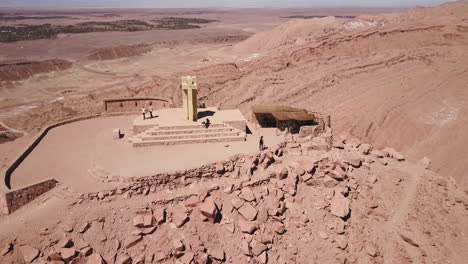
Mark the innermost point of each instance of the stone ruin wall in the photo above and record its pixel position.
(232, 167)
(124, 105)
(240, 125)
(12, 200)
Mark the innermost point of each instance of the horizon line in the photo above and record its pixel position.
(214, 7)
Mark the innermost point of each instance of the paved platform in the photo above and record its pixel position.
(173, 117)
(167, 127)
(76, 153)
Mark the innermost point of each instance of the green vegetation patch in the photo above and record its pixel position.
(174, 23)
(47, 31)
(15, 18)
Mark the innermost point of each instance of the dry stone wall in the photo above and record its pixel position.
(135, 104)
(12, 200)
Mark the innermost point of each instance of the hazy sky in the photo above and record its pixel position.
(213, 3)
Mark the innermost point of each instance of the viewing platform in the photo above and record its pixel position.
(167, 127)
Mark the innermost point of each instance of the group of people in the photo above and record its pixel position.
(145, 110)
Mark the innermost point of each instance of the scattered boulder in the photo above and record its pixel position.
(247, 194)
(257, 247)
(318, 143)
(68, 254)
(179, 216)
(216, 253)
(236, 202)
(339, 206)
(86, 251)
(65, 243)
(209, 209)
(371, 249)
(148, 221)
(341, 242)
(132, 241)
(54, 256)
(353, 160)
(338, 173)
(392, 153)
(282, 174)
(202, 258)
(263, 258)
(378, 154)
(365, 149)
(123, 259)
(248, 211)
(329, 182)
(178, 245)
(219, 168)
(245, 248)
(338, 144)
(7, 249)
(353, 142)
(138, 221)
(160, 216)
(247, 227)
(186, 258)
(159, 257)
(278, 227)
(83, 228)
(193, 201)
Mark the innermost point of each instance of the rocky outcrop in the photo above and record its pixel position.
(16, 71)
(118, 52)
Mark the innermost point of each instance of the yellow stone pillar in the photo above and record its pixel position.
(189, 97)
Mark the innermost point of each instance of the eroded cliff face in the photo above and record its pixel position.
(392, 80)
(16, 71)
(118, 52)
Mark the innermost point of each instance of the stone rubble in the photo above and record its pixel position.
(310, 195)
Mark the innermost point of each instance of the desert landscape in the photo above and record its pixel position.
(364, 162)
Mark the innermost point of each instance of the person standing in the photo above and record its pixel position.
(151, 111)
(143, 111)
(260, 144)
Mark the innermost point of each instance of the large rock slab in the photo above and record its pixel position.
(29, 253)
(248, 211)
(340, 206)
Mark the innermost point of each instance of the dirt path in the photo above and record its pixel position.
(93, 70)
(399, 218)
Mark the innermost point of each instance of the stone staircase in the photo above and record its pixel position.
(187, 134)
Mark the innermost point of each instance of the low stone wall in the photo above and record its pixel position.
(12, 200)
(3, 204)
(235, 167)
(135, 105)
(39, 138)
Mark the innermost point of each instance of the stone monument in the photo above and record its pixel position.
(189, 97)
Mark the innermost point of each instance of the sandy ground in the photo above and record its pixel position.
(77, 153)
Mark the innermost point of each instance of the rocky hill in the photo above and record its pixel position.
(391, 79)
(303, 201)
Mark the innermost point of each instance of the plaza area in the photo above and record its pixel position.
(77, 154)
